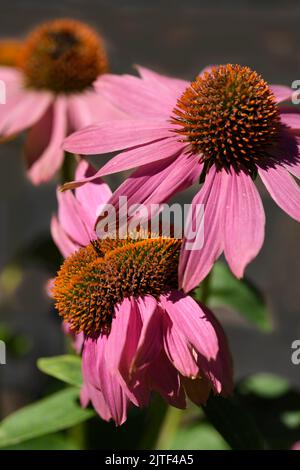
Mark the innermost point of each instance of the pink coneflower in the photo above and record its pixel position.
(225, 128)
(49, 91)
(141, 333)
(73, 227)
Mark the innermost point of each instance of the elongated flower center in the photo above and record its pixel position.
(230, 117)
(64, 56)
(93, 280)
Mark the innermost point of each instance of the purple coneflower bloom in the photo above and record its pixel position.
(225, 128)
(50, 93)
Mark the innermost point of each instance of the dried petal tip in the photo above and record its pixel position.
(64, 56)
(230, 117)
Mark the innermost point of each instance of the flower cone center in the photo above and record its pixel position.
(93, 280)
(230, 117)
(63, 56)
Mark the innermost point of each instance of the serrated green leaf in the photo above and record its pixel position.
(54, 413)
(234, 423)
(66, 368)
(226, 290)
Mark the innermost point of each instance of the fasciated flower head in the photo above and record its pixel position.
(106, 272)
(224, 129)
(63, 56)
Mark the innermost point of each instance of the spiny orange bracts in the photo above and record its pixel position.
(64, 56)
(94, 279)
(9, 52)
(229, 115)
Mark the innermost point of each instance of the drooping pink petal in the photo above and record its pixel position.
(143, 155)
(244, 221)
(195, 264)
(136, 97)
(65, 244)
(196, 325)
(44, 153)
(173, 87)
(123, 338)
(111, 136)
(150, 340)
(73, 218)
(178, 350)
(89, 107)
(281, 92)
(97, 374)
(26, 109)
(291, 120)
(157, 182)
(90, 393)
(283, 189)
(11, 74)
(91, 195)
(166, 380)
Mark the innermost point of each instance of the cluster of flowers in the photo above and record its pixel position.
(127, 302)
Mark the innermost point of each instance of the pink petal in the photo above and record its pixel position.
(87, 108)
(178, 349)
(150, 340)
(124, 337)
(195, 264)
(196, 325)
(283, 189)
(26, 108)
(244, 221)
(90, 393)
(93, 194)
(10, 74)
(134, 96)
(281, 92)
(47, 158)
(291, 120)
(173, 87)
(166, 380)
(61, 239)
(73, 219)
(139, 156)
(97, 375)
(157, 182)
(116, 135)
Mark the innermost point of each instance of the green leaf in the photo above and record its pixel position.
(66, 368)
(233, 422)
(240, 295)
(55, 441)
(264, 385)
(54, 413)
(202, 436)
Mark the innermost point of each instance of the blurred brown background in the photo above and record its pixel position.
(176, 38)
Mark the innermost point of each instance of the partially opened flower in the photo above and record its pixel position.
(73, 227)
(49, 91)
(226, 128)
(141, 333)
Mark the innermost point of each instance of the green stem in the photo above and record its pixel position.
(169, 428)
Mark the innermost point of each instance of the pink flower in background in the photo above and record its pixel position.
(50, 92)
(226, 128)
(140, 333)
(73, 227)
